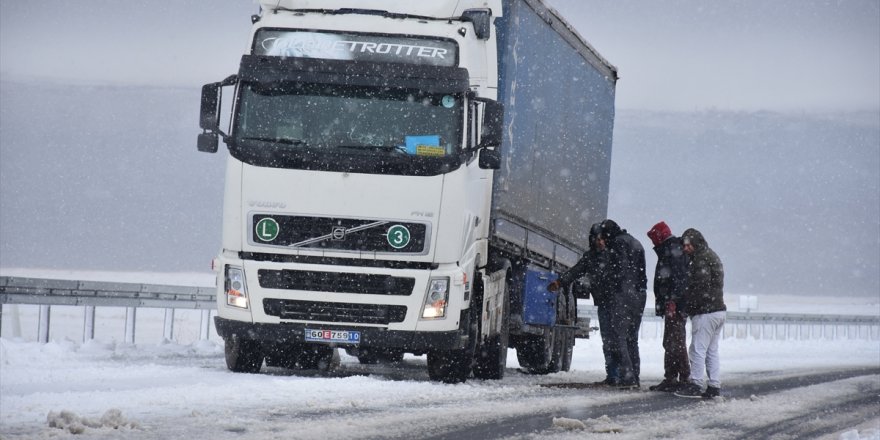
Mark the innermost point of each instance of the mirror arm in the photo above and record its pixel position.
(230, 80)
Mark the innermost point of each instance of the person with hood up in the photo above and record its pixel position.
(592, 266)
(670, 280)
(704, 299)
(628, 284)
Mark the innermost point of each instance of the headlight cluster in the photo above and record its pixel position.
(436, 298)
(236, 289)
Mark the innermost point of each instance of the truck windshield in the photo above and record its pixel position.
(322, 121)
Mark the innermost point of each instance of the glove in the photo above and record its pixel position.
(553, 286)
(670, 309)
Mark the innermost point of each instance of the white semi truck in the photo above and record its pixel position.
(407, 177)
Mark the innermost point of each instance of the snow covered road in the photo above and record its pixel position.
(174, 390)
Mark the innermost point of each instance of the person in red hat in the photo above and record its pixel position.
(670, 281)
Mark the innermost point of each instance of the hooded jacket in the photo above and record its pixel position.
(625, 273)
(592, 268)
(705, 288)
(670, 275)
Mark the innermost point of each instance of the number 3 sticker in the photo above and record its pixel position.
(398, 236)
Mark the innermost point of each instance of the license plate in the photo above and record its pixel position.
(346, 336)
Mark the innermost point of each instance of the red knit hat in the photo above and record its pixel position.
(659, 233)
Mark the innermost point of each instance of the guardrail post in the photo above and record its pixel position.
(168, 334)
(88, 323)
(43, 325)
(205, 325)
(130, 315)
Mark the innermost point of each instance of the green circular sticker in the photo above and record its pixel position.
(398, 236)
(267, 229)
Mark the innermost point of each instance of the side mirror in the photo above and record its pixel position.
(209, 117)
(493, 124)
(482, 21)
(208, 142)
(490, 159)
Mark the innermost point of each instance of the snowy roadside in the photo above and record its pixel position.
(154, 390)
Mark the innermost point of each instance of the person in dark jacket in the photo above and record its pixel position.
(704, 298)
(627, 283)
(670, 280)
(591, 267)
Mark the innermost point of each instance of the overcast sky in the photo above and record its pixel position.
(744, 54)
(761, 186)
(672, 55)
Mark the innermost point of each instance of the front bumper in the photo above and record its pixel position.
(409, 341)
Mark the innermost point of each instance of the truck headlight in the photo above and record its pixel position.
(236, 289)
(436, 298)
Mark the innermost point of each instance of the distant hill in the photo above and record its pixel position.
(790, 202)
(108, 178)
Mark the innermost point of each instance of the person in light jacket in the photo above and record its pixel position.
(704, 298)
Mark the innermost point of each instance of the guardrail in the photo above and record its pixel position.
(91, 294)
(774, 325)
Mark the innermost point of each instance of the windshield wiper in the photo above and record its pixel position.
(279, 140)
(386, 148)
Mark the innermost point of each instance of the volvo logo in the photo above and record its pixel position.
(265, 204)
(338, 233)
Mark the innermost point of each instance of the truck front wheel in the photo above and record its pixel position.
(243, 355)
(450, 366)
(454, 366)
(492, 356)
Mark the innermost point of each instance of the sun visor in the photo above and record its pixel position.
(431, 79)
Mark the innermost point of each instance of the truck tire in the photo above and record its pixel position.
(316, 357)
(535, 352)
(454, 366)
(567, 351)
(450, 366)
(492, 356)
(243, 355)
(560, 343)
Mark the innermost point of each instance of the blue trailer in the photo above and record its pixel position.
(558, 96)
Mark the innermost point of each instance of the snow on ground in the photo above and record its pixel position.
(181, 389)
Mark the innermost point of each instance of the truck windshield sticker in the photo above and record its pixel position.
(448, 101)
(424, 145)
(332, 46)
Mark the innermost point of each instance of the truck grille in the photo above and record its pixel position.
(345, 234)
(335, 282)
(334, 312)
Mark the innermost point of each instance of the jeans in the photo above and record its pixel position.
(675, 360)
(609, 347)
(627, 321)
(706, 332)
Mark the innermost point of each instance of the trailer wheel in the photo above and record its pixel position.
(243, 355)
(560, 343)
(535, 352)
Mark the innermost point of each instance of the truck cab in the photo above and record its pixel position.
(361, 149)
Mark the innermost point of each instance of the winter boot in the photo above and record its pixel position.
(711, 392)
(667, 386)
(690, 390)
